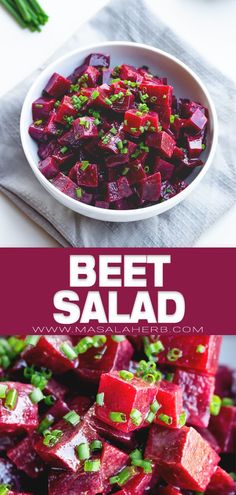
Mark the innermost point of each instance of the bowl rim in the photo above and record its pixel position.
(102, 213)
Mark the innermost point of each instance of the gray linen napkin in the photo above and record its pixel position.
(181, 226)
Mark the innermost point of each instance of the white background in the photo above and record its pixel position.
(208, 25)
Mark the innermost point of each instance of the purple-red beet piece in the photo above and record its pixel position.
(123, 397)
(24, 415)
(186, 459)
(48, 352)
(49, 167)
(197, 394)
(165, 168)
(223, 427)
(161, 141)
(42, 107)
(25, 458)
(149, 188)
(170, 402)
(57, 86)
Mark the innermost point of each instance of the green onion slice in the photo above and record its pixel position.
(100, 399)
(92, 466)
(72, 418)
(11, 399)
(117, 417)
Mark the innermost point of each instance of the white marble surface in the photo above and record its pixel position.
(208, 25)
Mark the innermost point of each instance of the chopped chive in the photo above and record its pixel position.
(11, 398)
(135, 454)
(79, 192)
(114, 480)
(226, 401)
(3, 390)
(126, 474)
(133, 129)
(57, 104)
(200, 349)
(150, 417)
(4, 489)
(154, 406)
(174, 354)
(100, 399)
(32, 340)
(117, 417)
(108, 101)
(72, 418)
(95, 95)
(52, 437)
(165, 418)
(146, 169)
(118, 338)
(36, 396)
(86, 342)
(99, 341)
(92, 466)
(153, 99)
(68, 350)
(38, 122)
(203, 146)
(83, 451)
(64, 150)
(126, 375)
(136, 417)
(215, 405)
(84, 165)
(182, 418)
(96, 445)
(125, 171)
(169, 377)
(45, 423)
(113, 130)
(38, 380)
(49, 400)
(145, 464)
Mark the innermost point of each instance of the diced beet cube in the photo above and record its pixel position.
(164, 114)
(87, 174)
(170, 399)
(159, 94)
(62, 156)
(123, 187)
(106, 75)
(80, 483)
(25, 458)
(56, 389)
(58, 410)
(186, 460)
(113, 356)
(223, 427)
(134, 123)
(84, 127)
(49, 167)
(117, 190)
(165, 168)
(177, 127)
(51, 125)
(221, 483)
(167, 190)
(207, 435)
(81, 404)
(161, 141)
(115, 160)
(68, 139)
(65, 185)
(42, 107)
(178, 153)
(63, 453)
(123, 103)
(77, 73)
(197, 394)
(197, 120)
(112, 143)
(112, 460)
(149, 188)
(48, 352)
(168, 490)
(136, 174)
(138, 485)
(92, 75)
(152, 121)
(187, 108)
(98, 60)
(24, 416)
(123, 397)
(179, 185)
(57, 86)
(66, 108)
(224, 381)
(47, 149)
(36, 131)
(190, 355)
(194, 145)
(104, 92)
(129, 73)
(126, 439)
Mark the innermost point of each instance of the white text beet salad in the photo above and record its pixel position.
(117, 138)
(116, 415)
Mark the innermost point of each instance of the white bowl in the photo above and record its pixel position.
(186, 85)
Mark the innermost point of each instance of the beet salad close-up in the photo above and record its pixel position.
(103, 415)
(117, 137)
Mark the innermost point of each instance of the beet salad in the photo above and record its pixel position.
(101, 415)
(117, 137)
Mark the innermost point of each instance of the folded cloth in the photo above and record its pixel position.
(181, 226)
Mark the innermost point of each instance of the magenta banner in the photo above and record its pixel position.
(129, 291)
